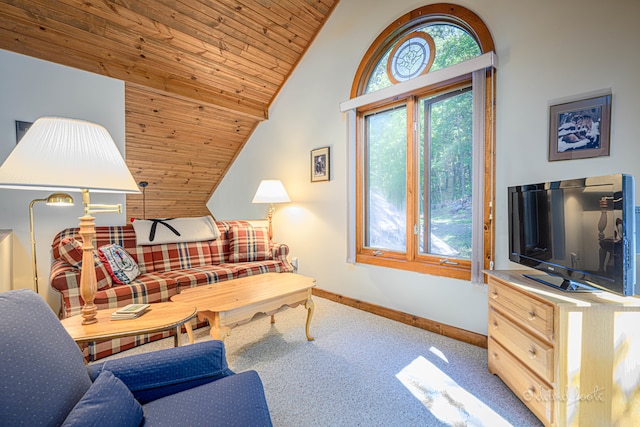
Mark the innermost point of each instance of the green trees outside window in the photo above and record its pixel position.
(415, 149)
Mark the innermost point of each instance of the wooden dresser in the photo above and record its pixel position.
(572, 358)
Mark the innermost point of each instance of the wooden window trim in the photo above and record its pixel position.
(444, 12)
(412, 260)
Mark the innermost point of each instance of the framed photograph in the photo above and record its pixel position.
(320, 164)
(580, 129)
(21, 129)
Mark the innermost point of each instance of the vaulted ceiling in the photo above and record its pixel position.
(199, 77)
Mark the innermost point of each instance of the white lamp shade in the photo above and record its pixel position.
(271, 191)
(67, 155)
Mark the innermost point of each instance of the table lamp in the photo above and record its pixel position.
(55, 199)
(61, 154)
(271, 191)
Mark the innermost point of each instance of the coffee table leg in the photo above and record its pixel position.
(309, 305)
(189, 329)
(178, 335)
(215, 330)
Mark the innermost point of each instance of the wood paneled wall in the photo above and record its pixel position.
(180, 148)
(200, 76)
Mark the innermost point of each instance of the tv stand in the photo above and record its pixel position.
(572, 358)
(561, 283)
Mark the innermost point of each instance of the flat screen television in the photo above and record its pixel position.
(579, 232)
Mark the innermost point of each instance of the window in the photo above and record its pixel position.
(417, 158)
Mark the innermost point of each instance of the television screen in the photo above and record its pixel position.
(580, 232)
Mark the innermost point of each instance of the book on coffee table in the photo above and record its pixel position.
(130, 311)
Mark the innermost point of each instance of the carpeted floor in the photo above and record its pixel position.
(365, 370)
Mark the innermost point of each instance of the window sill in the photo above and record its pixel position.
(462, 271)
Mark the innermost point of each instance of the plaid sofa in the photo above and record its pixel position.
(241, 250)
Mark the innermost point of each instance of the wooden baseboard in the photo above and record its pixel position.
(408, 319)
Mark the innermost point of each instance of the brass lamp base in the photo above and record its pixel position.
(270, 216)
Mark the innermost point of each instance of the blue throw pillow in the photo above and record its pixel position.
(108, 402)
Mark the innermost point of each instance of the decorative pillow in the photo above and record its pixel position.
(121, 266)
(71, 252)
(175, 230)
(248, 243)
(108, 402)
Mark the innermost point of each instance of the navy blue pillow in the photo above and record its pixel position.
(108, 402)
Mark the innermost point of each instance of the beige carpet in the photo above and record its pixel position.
(364, 370)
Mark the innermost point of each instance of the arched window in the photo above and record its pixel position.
(421, 121)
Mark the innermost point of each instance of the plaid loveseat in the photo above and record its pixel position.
(241, 250)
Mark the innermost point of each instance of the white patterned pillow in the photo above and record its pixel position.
(121, 266)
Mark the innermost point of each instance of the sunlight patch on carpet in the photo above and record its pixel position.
(446, 400)
(439, 353)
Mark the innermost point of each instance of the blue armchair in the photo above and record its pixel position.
(44, 381)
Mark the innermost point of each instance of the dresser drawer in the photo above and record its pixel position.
(533, 352)
(533, 392)
(530, 312)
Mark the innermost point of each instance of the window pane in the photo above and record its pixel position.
(452, 45)
(445, 175)
(379, 78)
(385, 191)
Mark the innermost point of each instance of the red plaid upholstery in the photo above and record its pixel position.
(202, 275)
(147, 288)
(220, 247)
(243, 269)
(71, 251)
(249, 244)
(280, 252)
(165, 269)
(178, 256)
(98, 350)
(124, 236)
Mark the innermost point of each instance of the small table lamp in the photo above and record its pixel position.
(271, 191)
(59, 154)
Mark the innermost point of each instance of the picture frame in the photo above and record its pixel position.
(580, 129)
(320, 164)
(21, 129)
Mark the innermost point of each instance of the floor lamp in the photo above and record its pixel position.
(60, 154)
(55, 199)
(271, 191)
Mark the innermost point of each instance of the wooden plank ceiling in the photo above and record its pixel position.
(199, 77)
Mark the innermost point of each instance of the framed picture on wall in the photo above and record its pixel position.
(320, 164)
(580, 129)
(21, 129)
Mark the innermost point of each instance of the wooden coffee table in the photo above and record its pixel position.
(159, 317)
(232, 302)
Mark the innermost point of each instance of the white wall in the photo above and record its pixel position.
(31, 88)
(547, 50)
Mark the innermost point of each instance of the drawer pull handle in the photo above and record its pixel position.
(532, 353)
(494, 294)
(532, 315)
(495, 324)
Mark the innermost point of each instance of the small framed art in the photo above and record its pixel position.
(320, 164)
(580, 129)
(21, 129)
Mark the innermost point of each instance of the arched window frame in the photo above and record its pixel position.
(480, 70)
